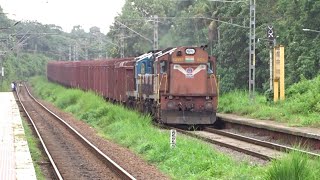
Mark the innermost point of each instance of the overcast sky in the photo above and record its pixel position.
(65, 13)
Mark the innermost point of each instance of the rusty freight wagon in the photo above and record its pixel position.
(175, 85)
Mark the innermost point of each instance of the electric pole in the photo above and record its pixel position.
(122, 43)
(74, 52)
(252, 49)
(87, 54)
(155, 33)
(100, 46)
(77, 52)
(70, 53)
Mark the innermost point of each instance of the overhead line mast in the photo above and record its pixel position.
(252, 47)
(155, 33)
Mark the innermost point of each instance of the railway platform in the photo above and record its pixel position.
(15, 158)
(307, 132)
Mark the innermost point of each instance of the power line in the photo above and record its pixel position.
(186, 17)
(135, 32)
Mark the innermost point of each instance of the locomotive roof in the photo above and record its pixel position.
(167, 52)
(147, 55)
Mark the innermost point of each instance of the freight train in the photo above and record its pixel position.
(177, 86)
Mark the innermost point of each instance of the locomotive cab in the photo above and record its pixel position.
(144, 82)
(187, 86)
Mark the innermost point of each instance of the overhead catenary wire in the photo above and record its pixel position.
(187, 17)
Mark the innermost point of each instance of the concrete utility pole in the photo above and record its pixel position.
(2, 54)
(100, 46)
(252, 47)
(155, 33)
(122, 43)
(87, 54)
(1, 67)
(74, 53)
(2, 73)
(77, 52)
(70, 53)
(219, 36)
(86, 46)
(60, 53)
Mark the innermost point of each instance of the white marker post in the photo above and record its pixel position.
(2, 71)
(173, 134)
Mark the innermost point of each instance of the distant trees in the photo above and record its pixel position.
(187, 23)
(206, 22)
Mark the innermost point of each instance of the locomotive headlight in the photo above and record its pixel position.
(208, 106)
(190, 51)
(171, 105)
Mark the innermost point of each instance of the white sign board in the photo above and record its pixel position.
(2, 71)
(173, 134)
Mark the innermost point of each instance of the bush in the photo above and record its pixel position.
(294, 166)
(300, 108)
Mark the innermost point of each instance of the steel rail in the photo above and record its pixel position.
(55, 168)
(212, 141)
(270, 145)
(236, 148)
(123, 174)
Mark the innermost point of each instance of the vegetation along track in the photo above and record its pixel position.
(248, 145)
(71, 155)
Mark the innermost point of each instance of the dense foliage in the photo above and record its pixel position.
(20, 67)
(301, 108)
(26, 46)
(222, 26)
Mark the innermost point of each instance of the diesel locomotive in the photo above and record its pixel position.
(176, 86)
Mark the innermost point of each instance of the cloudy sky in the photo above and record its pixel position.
(65, 13)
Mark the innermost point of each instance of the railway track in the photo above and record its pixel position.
(248, 145)
(278, 133)
(71, 155)
(270, 145)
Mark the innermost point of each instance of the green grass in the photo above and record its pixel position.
(301, 107)
(34, 150)
(295, 166)
(191, 159)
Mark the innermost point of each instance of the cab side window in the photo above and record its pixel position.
(210, 70)
(163, 66)
(143, 68)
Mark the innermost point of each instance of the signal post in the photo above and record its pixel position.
(278, 73)
(276, 66)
